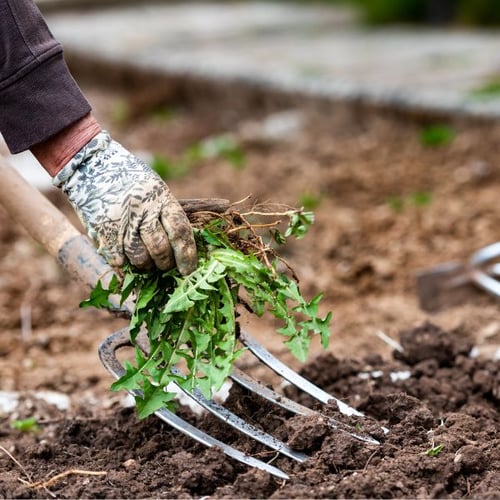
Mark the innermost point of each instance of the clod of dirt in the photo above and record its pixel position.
(306, 433)
(430, 342)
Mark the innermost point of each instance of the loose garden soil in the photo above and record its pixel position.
(386, 206)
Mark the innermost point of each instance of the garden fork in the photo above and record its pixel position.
(444, 285)
(76, 254)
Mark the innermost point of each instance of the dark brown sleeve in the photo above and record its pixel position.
(38, 95)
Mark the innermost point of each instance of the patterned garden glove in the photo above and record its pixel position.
(126, 208)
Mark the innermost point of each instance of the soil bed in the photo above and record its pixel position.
(386, 206)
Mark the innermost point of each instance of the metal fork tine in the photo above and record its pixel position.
(292, 376)
(204, 438)
(289, 404)
(107, 354)
(282, 401)
(242, 425)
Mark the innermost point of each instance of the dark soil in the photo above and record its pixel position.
(440, 403)
(449, 405)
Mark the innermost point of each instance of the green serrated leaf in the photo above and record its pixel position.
(317, 325)
(299, 224)
(130, 380)
(299, 346)
(138, 318)
(146, 294)
(324, 331)
(127, 287)
(99, 298)
(290, 328)
(311, 308)
(188, 289)
(278, 237)
(156, 327)
(153, 399)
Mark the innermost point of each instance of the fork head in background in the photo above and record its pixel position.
(443, 285)
(448, 284)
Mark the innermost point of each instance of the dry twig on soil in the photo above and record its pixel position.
(14, 459)
(54, 479)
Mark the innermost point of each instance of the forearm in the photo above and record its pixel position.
(57, 151)
(38, 96)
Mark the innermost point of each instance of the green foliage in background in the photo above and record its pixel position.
(479, 12)
(469, 12)
(490, 89)
(25, 425)
(169, 169)
(391, 11)
(223, 146)
(416, 199)
(310, 200)
(436, 135)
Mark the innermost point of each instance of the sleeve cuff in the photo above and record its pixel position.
(40, 104)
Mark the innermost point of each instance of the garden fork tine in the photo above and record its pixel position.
(243, 426)
(292, 406)
(76, 254)
(280, 400)
(256, 387)
(107, 354)
(293, 377)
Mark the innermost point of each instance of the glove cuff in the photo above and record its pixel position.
(98, 143)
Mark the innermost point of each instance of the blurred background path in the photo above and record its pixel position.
(316, 49)
(312, 49)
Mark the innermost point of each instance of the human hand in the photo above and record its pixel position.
(127, 209)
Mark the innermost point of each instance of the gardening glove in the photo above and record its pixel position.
(126, 207)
